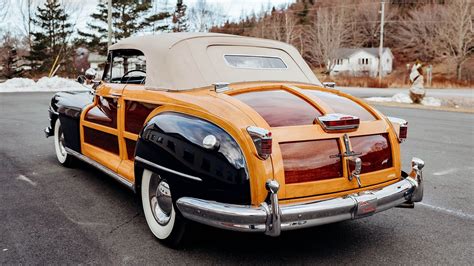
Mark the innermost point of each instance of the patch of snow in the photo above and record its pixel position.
(43, 84)
(431, 101)
(402, 98)
(405, 98)
(398, 98)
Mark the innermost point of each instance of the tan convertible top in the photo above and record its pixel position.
(183, 61)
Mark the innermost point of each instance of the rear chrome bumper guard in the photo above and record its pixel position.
(271, 219)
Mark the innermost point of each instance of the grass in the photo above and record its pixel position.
(397, 79)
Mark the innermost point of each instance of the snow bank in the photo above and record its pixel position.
(405, 98)
(43, 84)
(431, 101)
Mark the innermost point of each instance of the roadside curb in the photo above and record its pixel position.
(423, 107)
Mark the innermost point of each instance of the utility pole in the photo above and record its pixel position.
(381, 40)
(109, 23)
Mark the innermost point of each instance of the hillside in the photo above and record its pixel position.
(435, 32)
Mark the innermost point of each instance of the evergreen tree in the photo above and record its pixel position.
(9, 57)
(180, 21)
(50, 41)
(128, 18)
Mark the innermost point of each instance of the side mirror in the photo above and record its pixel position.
(90, 74)
(81, 79)
(330, 85)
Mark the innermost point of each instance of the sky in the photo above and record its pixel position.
(83, 8)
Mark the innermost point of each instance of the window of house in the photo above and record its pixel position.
(125, 66)
(339, 61)
(363, 61)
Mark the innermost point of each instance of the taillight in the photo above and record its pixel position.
(334, 122)
(403, 132)
(401, 127)
(262, 139)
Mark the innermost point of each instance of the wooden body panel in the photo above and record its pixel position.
(234, 116)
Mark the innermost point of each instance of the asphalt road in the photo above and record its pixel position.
(50, 214)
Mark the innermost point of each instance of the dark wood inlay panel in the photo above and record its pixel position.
(135, 115)
(101, 140)
(311, 160)
(280, 108)
(130, 148)
(105, 113)
(341, 104)
(376, 152)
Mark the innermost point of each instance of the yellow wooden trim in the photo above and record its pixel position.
(130, 136)
(107, 159)
(99, 127)
(335, 195)
(127, 170)
(315, 132)
(320, 105)
(338, 184)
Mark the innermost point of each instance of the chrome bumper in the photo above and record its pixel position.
(271, 218)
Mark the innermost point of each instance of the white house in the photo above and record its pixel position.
(362, 62)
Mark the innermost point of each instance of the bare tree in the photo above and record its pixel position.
(456, 35)
(364, 21)
(282, 26)
(4, 4)
(327, 34)
(416, 37)
(437, 31)
(27, 10)
(202, 16)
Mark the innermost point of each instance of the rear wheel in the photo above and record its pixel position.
(64, 158)
(160, 213)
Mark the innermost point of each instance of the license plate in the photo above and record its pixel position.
(366, 205)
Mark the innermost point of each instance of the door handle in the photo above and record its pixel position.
(115, 95)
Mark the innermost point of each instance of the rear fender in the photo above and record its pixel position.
(171, 145)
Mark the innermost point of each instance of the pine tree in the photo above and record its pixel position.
(9, 57)
(180, 20)
(50, 41)
(128, 18)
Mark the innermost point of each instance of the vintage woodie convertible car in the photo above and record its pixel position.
(235, 133)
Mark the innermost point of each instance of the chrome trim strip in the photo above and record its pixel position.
(50, 109)
(139, 159)
(102, 168)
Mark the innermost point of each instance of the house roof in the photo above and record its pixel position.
(182, 61)
(347, 52)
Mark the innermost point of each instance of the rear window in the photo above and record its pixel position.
(254, 61)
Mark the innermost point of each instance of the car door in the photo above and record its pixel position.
(102, 122)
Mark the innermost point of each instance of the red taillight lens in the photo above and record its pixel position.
(400, 126)
(333, 122)
(262, 139)
(403, 132)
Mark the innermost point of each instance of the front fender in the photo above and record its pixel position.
(171, 144)
(67, 107)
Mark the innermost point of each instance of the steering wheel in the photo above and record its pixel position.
(122, 79)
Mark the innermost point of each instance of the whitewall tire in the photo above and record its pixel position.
(59, 146)
(160, 213)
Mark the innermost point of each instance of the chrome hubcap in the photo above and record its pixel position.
(61, 143)
(160, 199)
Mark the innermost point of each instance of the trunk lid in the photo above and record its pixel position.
(308, 161)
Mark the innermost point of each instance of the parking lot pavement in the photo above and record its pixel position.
(50, 214)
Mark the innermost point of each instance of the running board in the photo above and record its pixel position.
(102, 168)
